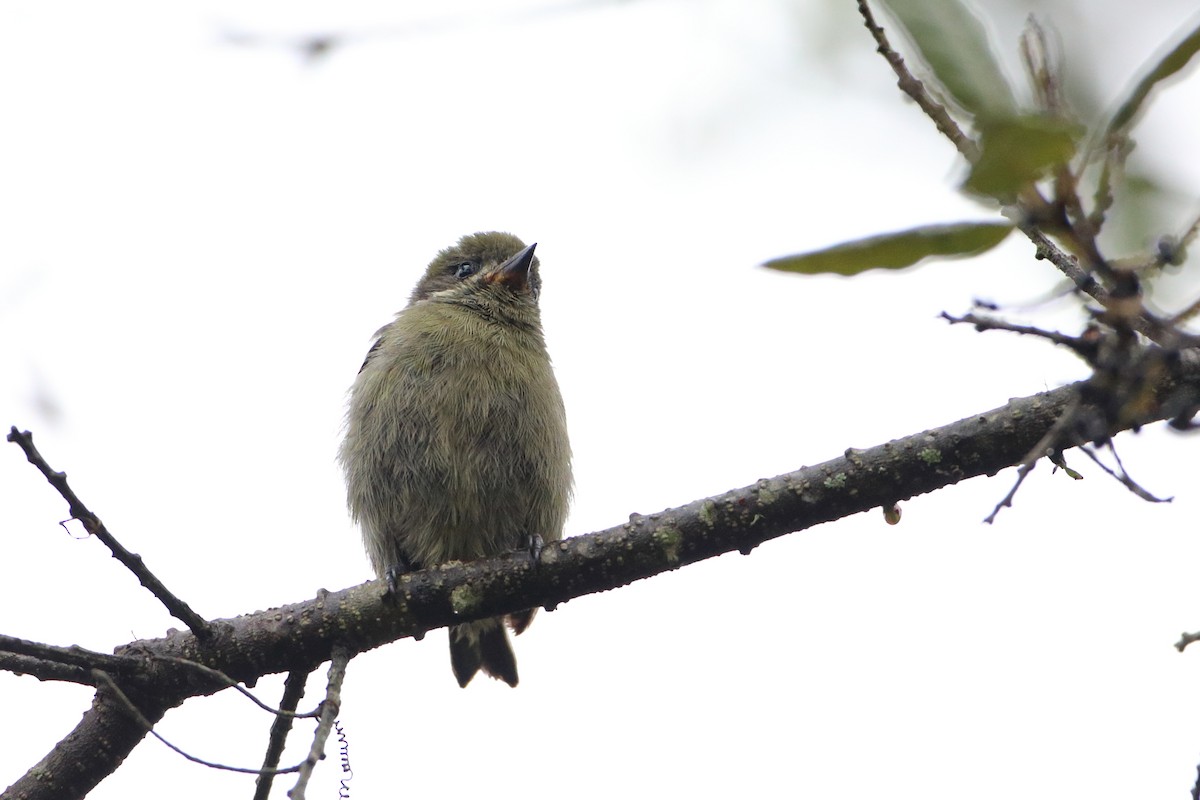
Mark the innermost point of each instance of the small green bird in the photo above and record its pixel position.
(456, 442)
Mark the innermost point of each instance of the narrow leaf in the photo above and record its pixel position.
(1176, 59)
(954, 43)
(897, 250)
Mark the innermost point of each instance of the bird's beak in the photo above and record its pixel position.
(514, 273)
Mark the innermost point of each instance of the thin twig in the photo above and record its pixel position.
(235, 685)
(1043, 67)
(1067, 264)
(1049, 441)
(913, 87)
(1042, 64)
(1022, 472)
(178, 609)
(293, 690)
(1113, 164)
(339, 658)
(1081, 347)
(1126, 481)
(44, 670)
(1176, 255)
(1185, 315)
(1190, 234)
(106, 680)
(74, 655)
(76, 662)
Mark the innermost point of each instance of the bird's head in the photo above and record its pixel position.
(483, 268)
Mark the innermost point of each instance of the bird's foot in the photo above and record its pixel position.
(392, 577)
(534, 545)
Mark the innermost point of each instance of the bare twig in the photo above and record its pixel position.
(44, 670)
(1066, 193)
(74, 655)
(1080, 346)
(329, 710)
(1190, 234)
(1174, 252)
(1115, 154)
(1067, 264)
(285, 711)
(1120, 374)
(1022, 473)
(913, 87)
(1042, 65)
(1052, 440)
(293, 690)
(1126, 481)
(178, 609)
(1186, 315)
(104, 679)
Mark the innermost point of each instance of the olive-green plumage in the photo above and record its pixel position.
(456, 442)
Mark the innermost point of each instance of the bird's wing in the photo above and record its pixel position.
(375, 346)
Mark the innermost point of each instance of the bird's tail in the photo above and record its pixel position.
(482, 645)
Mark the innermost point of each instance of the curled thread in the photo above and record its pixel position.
(344, 757)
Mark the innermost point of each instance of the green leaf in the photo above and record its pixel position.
(1017, 151)
(954, 43)
(1175, 60)
(897, 250)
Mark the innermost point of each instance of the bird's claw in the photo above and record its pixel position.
(534, 545)
(392, 577)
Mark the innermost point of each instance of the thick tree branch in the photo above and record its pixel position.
(301, 636)
(89, 753)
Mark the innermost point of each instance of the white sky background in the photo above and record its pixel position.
(200, 237)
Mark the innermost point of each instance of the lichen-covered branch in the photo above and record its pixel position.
(301, 636)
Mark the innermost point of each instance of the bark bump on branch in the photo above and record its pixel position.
(301, 636)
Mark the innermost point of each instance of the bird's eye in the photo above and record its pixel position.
(465, 269)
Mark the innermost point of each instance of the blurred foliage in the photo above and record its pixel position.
(954, 44)
(1171, 63)
(1052, 160)
(898, 250)
(1018, 150)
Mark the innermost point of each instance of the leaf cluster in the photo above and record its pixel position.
(1028, 159)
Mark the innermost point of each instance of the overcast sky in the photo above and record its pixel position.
(203, 227)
